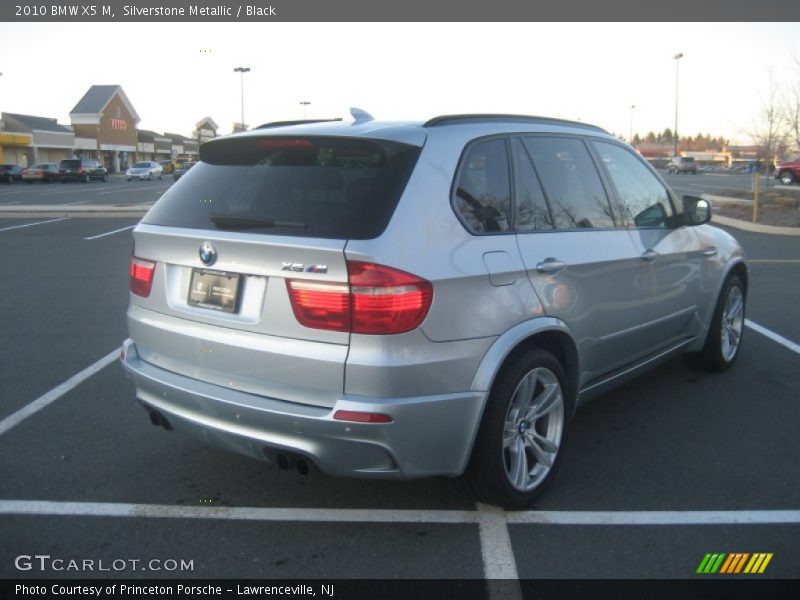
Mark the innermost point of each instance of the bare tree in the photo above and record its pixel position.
(792, 108)
(768, 130)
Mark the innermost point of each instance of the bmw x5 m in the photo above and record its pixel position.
(398, 300)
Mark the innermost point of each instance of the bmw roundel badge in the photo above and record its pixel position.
(208, 254)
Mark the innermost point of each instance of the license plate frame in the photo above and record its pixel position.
(214, 290)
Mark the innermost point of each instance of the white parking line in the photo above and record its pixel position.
(94, 237)
(235, 513)
(32, 224)
(43, 401)
(77, 191)
(490, 517)
(496, 550)
(149, 187)
(656, 517)
(773, 336)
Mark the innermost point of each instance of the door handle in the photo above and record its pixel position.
(649, 255)
(710, 251)
(550, 266)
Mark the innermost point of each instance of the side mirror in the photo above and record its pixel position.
(696, 211)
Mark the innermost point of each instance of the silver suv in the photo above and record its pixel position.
(403, 300)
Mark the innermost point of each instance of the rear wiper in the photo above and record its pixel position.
(237, 222)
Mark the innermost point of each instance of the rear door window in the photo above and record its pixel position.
(571, 183)
(327, 187)
(482, 196)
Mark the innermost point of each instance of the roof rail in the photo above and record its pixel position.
(290, 123)
(482, 118)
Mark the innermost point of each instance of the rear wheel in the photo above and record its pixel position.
(519, 443)
(725, 333)
(787, 178)
(86, 178)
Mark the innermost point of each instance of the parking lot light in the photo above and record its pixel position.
(677, 58)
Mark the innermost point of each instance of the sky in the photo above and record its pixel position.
(176, 73)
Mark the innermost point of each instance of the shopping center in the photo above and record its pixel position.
(103, 125)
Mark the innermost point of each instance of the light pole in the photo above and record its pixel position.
(630, 135)
(242, 71)
(304, 104)
(677, 58)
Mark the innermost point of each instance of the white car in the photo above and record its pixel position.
(144, 170)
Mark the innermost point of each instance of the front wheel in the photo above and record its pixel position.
(725, 333)
(86, 178)
(149, 176)
(787, 178)
(519, 443)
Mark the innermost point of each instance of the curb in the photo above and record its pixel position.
(754, 227)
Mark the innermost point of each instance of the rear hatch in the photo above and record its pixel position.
(69, 166)
(251, 242)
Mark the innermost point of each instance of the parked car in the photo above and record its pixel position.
(398, 301)
(166, 166)
(682, 164)
(788, 171)
(10, 173)
(81, 169)
(44, 172)
(182, 170)
(144, 170)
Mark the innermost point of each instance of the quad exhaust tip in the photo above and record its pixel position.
(159, 420)
(285, 461)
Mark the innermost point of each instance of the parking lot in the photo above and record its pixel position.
(116, 191)
(656, 474)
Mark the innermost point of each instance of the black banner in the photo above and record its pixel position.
(407, 10)
(405, 589)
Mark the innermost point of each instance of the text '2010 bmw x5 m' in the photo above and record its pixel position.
(409, 300)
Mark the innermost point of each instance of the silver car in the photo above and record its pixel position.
(144, 170)
(397, 300)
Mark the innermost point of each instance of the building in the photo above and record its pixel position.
(104, 122)
(183, 146)
(152, 146)
(26, 140)
(205, 129)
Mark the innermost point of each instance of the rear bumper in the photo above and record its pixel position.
(429, 435)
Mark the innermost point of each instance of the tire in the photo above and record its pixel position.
(105, 177)
(10, 179)
(724, 339)
(160, 177)
(29, 181)
(149, 177)
(86, 178)
(517, 453)
(129, 178)
(787, 178)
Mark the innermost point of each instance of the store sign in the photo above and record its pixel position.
(119, 124)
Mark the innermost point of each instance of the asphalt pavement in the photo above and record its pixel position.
(88, 476)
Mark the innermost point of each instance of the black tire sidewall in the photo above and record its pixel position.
(486, 468)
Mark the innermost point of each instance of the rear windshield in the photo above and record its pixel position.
(70, 164)
(326, 187)
(687, 159)
(141, 166)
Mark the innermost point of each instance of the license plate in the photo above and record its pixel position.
(215, 290)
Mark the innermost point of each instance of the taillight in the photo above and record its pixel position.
(320, 305)
(142, 272)
(386, 300)
(378, 300)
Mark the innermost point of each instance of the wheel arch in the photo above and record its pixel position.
(547, 333)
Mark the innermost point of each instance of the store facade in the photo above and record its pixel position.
(104, 122)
